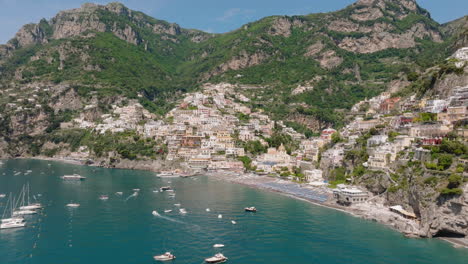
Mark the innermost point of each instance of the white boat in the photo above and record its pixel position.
(220, 216)
(136, 190)
(233, 222)
(2, 195)
(168, 211)
(182, 211)
(11, 221)
(8, 225)
(208, 209)
(29, 206)
(73, 177)
(218, 245)
(167, 174)
(73, 205)
(103, 197)
(24, 212)
(118, 193)
(155, 191)
(250, 209)
(218, 258)
(164, 257)
(155, 213)
(178, 204)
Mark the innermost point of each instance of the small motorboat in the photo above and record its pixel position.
(218, 258)
(155, 191)
(178, 205)
(220, 216)
(182, 211)
(2, 195)
(208, 209)
(73, 205)
(218, 245)
(165, 257)
(73, 177)
(103, 197)
(168, 211)
(250, 209)
(233, 222)
(136, 190)
(155, 213)
(119, 193)
(165, 188)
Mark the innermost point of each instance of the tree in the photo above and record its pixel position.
(336, 138)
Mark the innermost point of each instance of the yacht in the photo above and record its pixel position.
(24, 212)
(218, 245)
(164, 257)
(73, 177)
(11, 221)
(167, 174)
(73, 205)
(165, 188)
(103, 197)
(29, 206)
(250, 209)
(218, 258)
(12, 224)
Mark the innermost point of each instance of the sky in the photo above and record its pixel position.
(216, 16)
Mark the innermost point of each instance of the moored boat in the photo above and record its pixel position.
(2, 195)
(168, 211)
(218, 258)
(73, 205)
(250, 209)
(73, 177)
(24, 212)
(165, 188)
(182, 211)
(218, 245)
(164, 257)
(103, 197)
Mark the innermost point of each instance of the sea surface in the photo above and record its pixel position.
(123, 229)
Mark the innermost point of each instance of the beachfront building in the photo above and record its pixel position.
(313, 175)
(348, 196)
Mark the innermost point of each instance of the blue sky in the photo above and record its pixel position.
(208, 15)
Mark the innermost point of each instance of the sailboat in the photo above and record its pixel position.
(22, 205)
(30, 206)
(11, 221)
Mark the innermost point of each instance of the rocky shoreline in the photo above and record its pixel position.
(373, 210)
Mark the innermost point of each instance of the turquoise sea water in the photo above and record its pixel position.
(122, 230)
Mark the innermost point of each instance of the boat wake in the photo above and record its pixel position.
(135, 194)
(156, 214)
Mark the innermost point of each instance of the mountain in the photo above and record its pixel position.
(307, 69)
